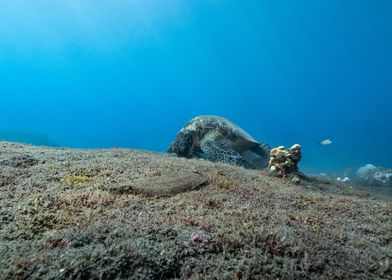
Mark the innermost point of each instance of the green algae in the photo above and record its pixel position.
(77, 180)
(260, 227)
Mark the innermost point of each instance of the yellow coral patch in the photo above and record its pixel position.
(77, 180)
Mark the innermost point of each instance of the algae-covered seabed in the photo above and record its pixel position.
(105, 214)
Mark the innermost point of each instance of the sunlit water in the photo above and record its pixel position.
(131, 73)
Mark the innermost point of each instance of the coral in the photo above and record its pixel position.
(343, 180)
(383, 176)
(366, 170)
(283, 162)
(370, 175)
(202, 237)
(296, 180)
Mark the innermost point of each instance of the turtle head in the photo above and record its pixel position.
(182, 145)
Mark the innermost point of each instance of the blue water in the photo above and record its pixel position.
(130, 73)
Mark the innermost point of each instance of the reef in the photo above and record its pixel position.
(131, 214)
(284, 162)
(370, 175)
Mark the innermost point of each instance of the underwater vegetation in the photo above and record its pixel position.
(74, 180)
(118, 214)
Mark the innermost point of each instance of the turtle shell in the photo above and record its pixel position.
(234, 135)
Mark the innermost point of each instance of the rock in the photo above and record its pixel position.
(365, 171)
(200, 236)
(370, 175)
(296, 180)
(283, 162)
(343, 180)
(168, 184)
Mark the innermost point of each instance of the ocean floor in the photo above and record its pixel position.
(132, 214)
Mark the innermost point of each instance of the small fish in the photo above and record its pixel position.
(325, 142)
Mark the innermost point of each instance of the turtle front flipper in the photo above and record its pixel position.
(262, 150)
(182, 145)
(216, 151)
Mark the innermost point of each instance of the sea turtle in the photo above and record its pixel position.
(217, 139)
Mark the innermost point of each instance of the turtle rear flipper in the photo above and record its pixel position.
(216, 151)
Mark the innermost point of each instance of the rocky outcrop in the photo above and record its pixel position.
(370, 175)
(284, 162)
